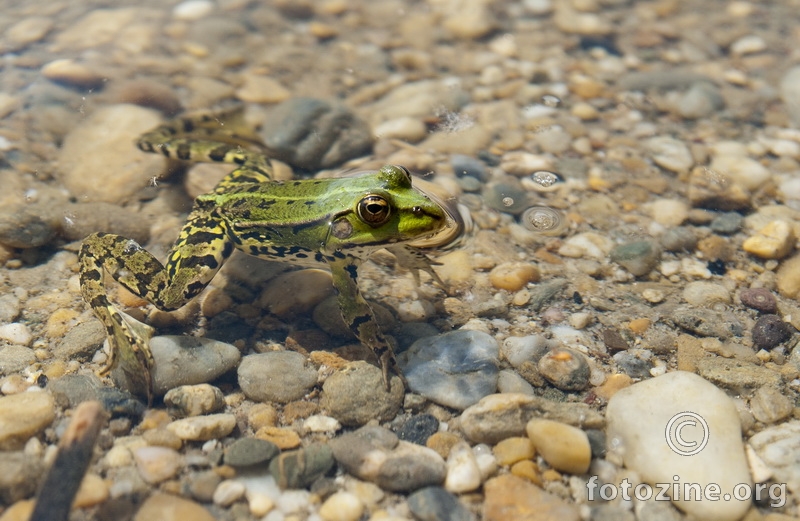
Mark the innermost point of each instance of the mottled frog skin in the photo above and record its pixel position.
(336, 222)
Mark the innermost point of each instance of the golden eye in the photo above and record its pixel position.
(374, 210)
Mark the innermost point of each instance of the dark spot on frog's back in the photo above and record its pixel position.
(352, 270)
(218, 154)
(183, 152)
(204, 260)
(201, 237)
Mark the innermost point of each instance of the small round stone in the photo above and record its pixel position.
(463, 473)
(514, 449)
(726, 223)
(356, 395)
(418, 428)
(705, 294)
(342, 506)
(679, 239)
(228, 492)
(203, 428)
(638, 257)
(277, 376)
(157, 464)
(769, 331)
(563, 447)
(566, 369)
(513, 276)
(249, 451)
(760, 299)
(773, 241)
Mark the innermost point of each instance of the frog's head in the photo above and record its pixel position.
(389, 210)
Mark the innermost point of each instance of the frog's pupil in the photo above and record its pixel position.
(373, 210)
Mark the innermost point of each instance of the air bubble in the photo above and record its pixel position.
(508, 201)
(546, 180)
(544, 220)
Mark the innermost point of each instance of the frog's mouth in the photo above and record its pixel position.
(458, 221)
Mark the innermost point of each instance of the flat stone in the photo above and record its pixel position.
(738, 376)
(455, 369)
(670, 153)
(249, 451)
(435, 503)
(357, 394)
(15, 358)
(500, 416)
(157, 464)
(277, 376)
(300, 468)
(24, 415)
(773, 241)
(195, 400)
(708, 450)
(203, 428)
(168, 507)
(779, 448)
(20, 475)
(510, 497)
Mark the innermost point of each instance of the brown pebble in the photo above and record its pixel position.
(614, 341)
(769, 331)
(760, 299)
(566, 369)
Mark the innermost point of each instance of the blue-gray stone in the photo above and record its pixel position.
(437, 504)
(455, 369)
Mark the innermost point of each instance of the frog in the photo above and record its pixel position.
(335, 222)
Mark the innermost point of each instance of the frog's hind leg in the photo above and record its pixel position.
(194, 259)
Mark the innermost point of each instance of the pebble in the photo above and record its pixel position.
(769, 405)
(418, 428)
(195, 400)
(705, 294)
(715, 189)
(790, 93)
(72, 73)
(773, 241)
(469, 19)
(671, 154)
(300, 468)
(563, 447)
(184, 360)
(738, 376)
(93, 491)
(743, 171)
(203, 428)
(228, 492)
(157, 464)
(356, 395)
(635, 363)
(277, 376)
(412, 130)
(511, 497)
(679, 239)
(455, 369)
(103, 142)
(342, 506)
(245, 452)
(669, 212)
(701, 100)
(507, 195)
(770, 331)
(15, 358)
(169, 507)
(313, 134)
(190, 10)
(779, 448)
(20, 475)
(520, 349)
(437, 504)
(321, 423)
(705, 322)
(726, 223)
(787, 279)
(463, 473)
(468, 166)
(513, 276)
(376, 454)
(760, 299)
(16, 333)
(566, 369)
(509, 381)
(514, 449)
(638, 257)
(636, 435)
(500, 416)
(24, 415)
(283, 438)
(587, 244)
(749, 44)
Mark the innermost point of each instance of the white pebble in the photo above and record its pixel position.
(321, 423)
(463, 473)
(228, 492)
(192, 9)
(16, 333)
(748, 45)
(342, 506)
(704, 294)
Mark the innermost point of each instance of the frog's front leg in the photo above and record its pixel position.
(194, 259)
(358, 315)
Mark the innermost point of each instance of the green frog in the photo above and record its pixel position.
(333, 222)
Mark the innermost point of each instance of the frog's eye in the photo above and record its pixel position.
(374, 210)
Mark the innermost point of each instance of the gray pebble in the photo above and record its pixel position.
(468, 166)
(701, 100)
(437, 504)
(9, 308)
(679, 239)
(470, 184)
(760, 299)
(790, 93)
(769, 331)
(636, 363)
(418, 428)
(72, 389)
(510, 382)
(15, 358)
(25, 229)
(638, 257)
(300, 468)
(245, 452)
(736, 375)
(278, 376)
(81, 342)
(544, 292)
(566, 369)
(357, 395)
(312, 134)
(519, 349)
(726, 223)
(455, 369)
(770, 405)
(203, 484)
(19, 476)
(705, 322)
(184, 360)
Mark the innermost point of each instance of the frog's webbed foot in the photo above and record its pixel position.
(415, 260)
(129, 350)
